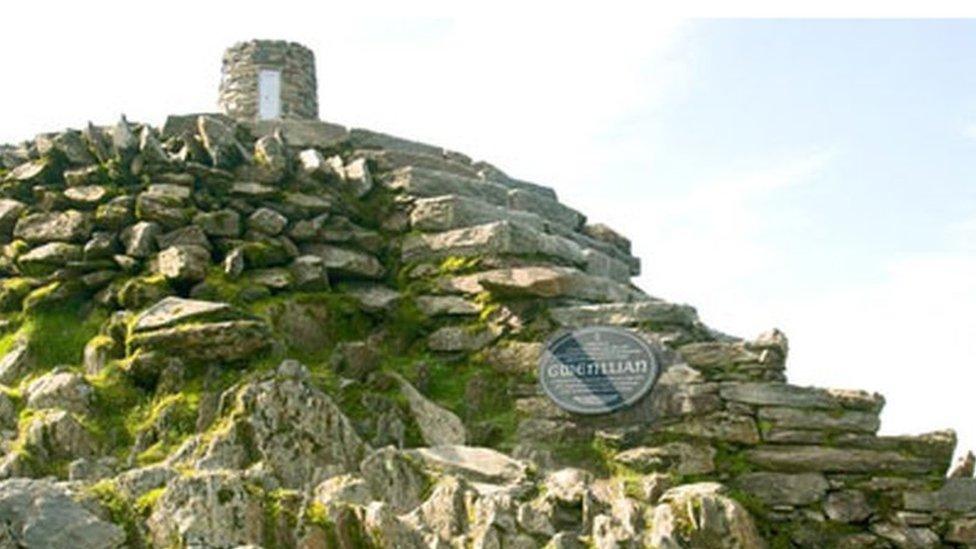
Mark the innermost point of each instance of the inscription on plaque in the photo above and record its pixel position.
(597, 369)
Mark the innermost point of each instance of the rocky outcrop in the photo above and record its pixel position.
(286, 333)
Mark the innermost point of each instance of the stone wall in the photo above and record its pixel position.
(239, 78)
(337, 331)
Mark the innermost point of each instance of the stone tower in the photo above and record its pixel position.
(268, 80)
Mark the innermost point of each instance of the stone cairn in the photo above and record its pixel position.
(228, 332)
(239, 79)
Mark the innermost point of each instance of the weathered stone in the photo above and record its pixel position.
(604, 233)
(783, 488)
(102, 245)
(139, 240)
(438, 426)
(10, 211)
(64, 390)
(69, 144)
(209, 509)
(430, 183)
(291, 428)
(847, 506)
(184, 263)
(174, 310)
(57, 435)
(308, 272)
(625, 314)
(452, 305)
(500, 238)
(545, 282)
(956, 495)
(514, 357)
(396, 478)
(837, 460)
(720, 426)
(545, 207)
(227, 341)
(150, 149)
(443, 213)
(85, 196)
(680, 457)
(220, 141)
(846, 420)
(345, 488)
(191, 235)
(271, 154)
(964, 466)
(792, 396)
(906, 537)
(267, 221)
(45, 259)
(374, 297)
(962, 531)
(163, 207)
(699, 515)
(221, 223)
(357, 177)
(461, 338)
(42, 513)
(344, 262)
(313, 164)
(116, 214)
(16, 362)
(67, 226)
(473, 463)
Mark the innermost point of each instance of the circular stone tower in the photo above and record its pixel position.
(268, 80)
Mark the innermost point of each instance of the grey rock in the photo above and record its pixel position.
(170, 311)
(473, 463)
(102, 245)
(65, 390)
(220, 223)
(57, 435)
(781, 394)
(700, 515)
(16, 362)
(438, 426)
(85, 196)
(956, 495)
(345, 488)
(267, 221)
(604, 233)
(501, 238)
(313, 164)
(443, 213)
(625, 314)
(42, 513)
(67, 226)
(962, 531)
(846, 420)
(357, 177)
(680, 457)
(276, 278)
(390, 474)
(431, 183)
(139, 240)
(447, 305)
(545, 207)
(190, 513)
(461, 338)
(847, 506)
(10, 211)
(191, 235)
(184, 263)
(220, 141)
(234, 263)
(69, 144)
(308, 272)
(124, 141)
(221, 341)
(837, 460)
(544, 282)
(964, 466)
(345, 262)
(150, 149)
(374, 297)
(47, 258)
(906, 537)
(784, 488)
(271, 154)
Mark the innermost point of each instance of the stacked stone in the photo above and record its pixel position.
(242, 63)
(216, 243)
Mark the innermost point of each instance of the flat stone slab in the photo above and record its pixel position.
(625, 314)
(545, 282)
(444, 213)
(472, 462)
(957, 495)
(839, 460)
(300, 133)
(430, 183)
(545, 207)
(499, 238)
(227, 340)
(784, 488)
(794, 396)
(825, 420)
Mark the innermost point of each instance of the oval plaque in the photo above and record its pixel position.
(597, 369)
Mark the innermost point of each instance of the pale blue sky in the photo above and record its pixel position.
(817, 176)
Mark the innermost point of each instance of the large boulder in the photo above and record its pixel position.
(67, 226)
(700, 515)
(43, 513)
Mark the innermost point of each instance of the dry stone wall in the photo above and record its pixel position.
(242, 63)
(337, 332)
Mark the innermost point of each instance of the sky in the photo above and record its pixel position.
(810, 175)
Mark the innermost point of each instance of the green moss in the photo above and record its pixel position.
(453, 265)
(120, 509)
(116, 408)
(146, 502)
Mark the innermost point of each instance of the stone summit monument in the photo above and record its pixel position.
(254, 328)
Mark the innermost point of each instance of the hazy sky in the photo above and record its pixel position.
(816, 176)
